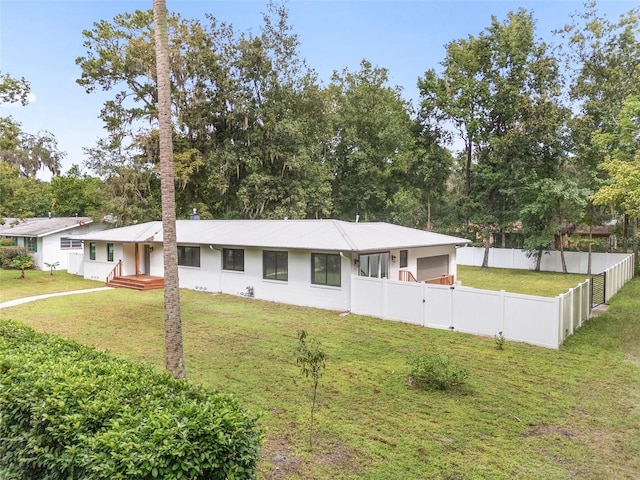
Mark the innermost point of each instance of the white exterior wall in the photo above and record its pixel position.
(209, 277)
(99, 268)
(297, 290)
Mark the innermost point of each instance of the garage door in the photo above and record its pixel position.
(432, 267)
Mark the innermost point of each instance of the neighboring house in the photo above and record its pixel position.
(48, 239)
(299, 262)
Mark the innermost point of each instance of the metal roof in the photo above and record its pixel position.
(40, 226)
(331, 235)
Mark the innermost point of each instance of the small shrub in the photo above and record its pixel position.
(8, 254)
(500, 341)
(22, 263)
(432, 371)
(311, 359)
(52, 266)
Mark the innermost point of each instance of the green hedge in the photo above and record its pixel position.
(8, 254)
(70, 412)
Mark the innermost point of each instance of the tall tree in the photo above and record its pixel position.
(372, 143)
(602, 58)
(174, 355)
(620, 145)
(494, 89)
(76, 194)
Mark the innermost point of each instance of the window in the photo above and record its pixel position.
(188, 256)
(92, 251)
(325, 269)
(31, 244)
(404, 258)
(66, 243)
(275, 265)
(374, 265)
(233, 259)
(109, 252)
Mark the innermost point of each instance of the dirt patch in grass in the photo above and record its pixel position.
(280, 460)
(547, 430)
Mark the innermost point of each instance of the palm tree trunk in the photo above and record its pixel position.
(174, 356)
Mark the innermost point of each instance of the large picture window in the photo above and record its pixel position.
(233, 259)
(275, 265)
(92, 251)
(109, 252)
(374, 265)
(325, 269)
(188, 256)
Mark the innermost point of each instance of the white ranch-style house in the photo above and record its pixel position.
(49, 240)
(299, 262)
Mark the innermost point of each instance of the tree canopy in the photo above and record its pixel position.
(510, 133)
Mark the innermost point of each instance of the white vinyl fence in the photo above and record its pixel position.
(577, 262)
(541, 321)
(75, 263)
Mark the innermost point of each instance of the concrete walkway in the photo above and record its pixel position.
(20, 301)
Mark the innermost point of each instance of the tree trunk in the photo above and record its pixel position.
(635, 240)
(538, 260)
(589, 257)
(467, 181)
(174, 356)
(562, 259)
(429, 226)
(487, 246)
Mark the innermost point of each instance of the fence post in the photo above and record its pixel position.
(502, 308)
(559, 319)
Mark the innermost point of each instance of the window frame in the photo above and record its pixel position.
(92, 250)
(184, 256)
(110, 252)
(31, 244)
(404, 258)
(68, 243)
(236, 261)
(380, 261)
(324, 258)
(281, 264)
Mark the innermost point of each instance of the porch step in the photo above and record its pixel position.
(142, 282)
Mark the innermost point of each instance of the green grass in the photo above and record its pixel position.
(545, 284)
(526, 413)
(39, 282)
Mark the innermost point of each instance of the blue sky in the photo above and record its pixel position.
(40, 40)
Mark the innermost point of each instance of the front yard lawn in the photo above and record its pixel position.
(526, 412)
(39, 282)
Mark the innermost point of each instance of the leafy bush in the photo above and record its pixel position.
(68, 411)
(7, 241)
(9, 254)
(432, 371)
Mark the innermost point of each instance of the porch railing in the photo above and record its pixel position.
(442, 280)
(407, 276)
(116, 272)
